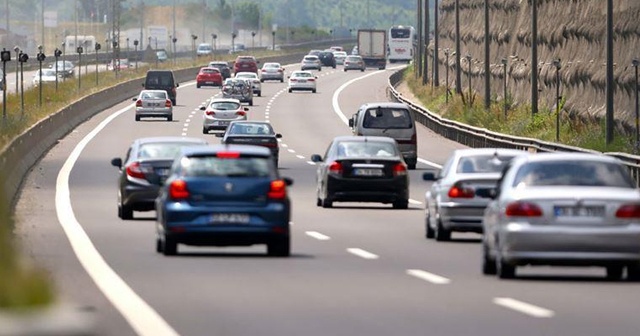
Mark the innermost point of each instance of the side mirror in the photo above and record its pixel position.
(316, 158)
(486, 192)
(288, 181)
(430, 176)
(116, 162)
(278, 135)
(246, 109)
(134, 99)
(177, 84)
(142, 84)
(351, 122)
(202, 108)
(288, 76)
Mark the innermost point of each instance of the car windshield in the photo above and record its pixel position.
(246, 75)
(153, 95)
(387, 118)
(573, 173)
(224, 106)
(48, 72)
(212, 166)
(271, 65)
(353, 59)
(310, 58)
(479, 164)
(209, 71)
(366, 149)
(302, 74)
(252, 129)
(161, 150)
(218, 65)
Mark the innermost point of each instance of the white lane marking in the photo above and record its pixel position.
(284, 145)
(317, 235)
(430, 277)
(300, 157)
(523, 307)
(291, 150)
(311, 163)
(342, 116)
(142, 317)
(362, 253)
(412, 201)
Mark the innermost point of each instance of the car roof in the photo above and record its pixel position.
(225, 100)
(218, 63)
(172, 139)
(568, 156)
(301, 71)
(311, 56)
(488, 151)
(385, 105)
(250, 122)
(359, 138)
(159, 91)
(242, 149)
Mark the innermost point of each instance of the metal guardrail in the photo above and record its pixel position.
(481, 137)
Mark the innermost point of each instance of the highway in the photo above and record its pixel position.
(355, 269)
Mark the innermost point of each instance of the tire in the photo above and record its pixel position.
(205, 130)
(411, 166)
(614, 273)
(361, 70)
(441, 233)
(281, 80)
(259, 93)
(251, 102)
(137, 118)
(159, 245)
(345, 70)
(504, 270)
(261, 80)
(320, 69)
(401, 204)
(170, 246)
(173, 102)
(488, 264)
(198, 86)
(429, 233)
(327, 203)
(633, 272)
(280, 247)
(170, 118)
(313, 91)
(290, 90)
(318, 202)
(125, 212)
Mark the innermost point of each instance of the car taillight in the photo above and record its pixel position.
(628, 211)
(135, 170)
(461, 191)
(167, 103)
(228, 155)
(293, 80)
(523, 209)
(335, 168)
(138, 103)
(241, 113)
(399, 170)
(178, 190)
(311, 80)
(209, 112)
(277, 190)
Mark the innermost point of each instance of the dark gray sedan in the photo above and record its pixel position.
(248, 132)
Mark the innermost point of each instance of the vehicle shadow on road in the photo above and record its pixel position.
(261, 255)
(465, 240)
(570, 278)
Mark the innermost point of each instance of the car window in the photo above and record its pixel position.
(225, 106)
(573, 173)
(161, 150)
(226, 167)
(253, 129)
(482, 164)
(153, 95)
(366, 149)
(301, 74)
(209, 71)
(397, 118)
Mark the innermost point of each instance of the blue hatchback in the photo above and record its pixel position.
(225, 195)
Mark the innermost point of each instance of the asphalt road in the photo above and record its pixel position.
(356, 269)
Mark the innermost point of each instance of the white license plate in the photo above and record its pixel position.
(162, 171)
(302, 80)
(221, 123)
(230, 218)
(592, 211)
(367, 172)
(153, 104)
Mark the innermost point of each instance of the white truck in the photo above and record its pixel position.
(372, 47)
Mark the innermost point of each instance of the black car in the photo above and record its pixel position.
(327, 58)
(224, 68)
(259, 133)
(362, 169)
(144, 169)
(162, 80)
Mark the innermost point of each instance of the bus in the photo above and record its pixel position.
(402, 42)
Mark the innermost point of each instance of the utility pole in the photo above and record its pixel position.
(610, 84)
(487, 58)
(425, 68)
(534, 57)
(458, 75)
(6, 13)
(436, 46)
(115, 31)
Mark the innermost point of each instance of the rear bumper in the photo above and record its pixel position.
(154, 113)
(359, 190)
(462, 217)
(140, 198)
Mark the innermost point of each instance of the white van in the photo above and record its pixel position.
(392, 120)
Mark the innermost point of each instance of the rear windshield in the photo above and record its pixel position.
(353, 59)
(164, 79)
(366, 149)
(382, 118)
(226, 167)
(301, 74)
(225, 105)
(310, 58)
(574, 173)
(162, 150)
(245, 60)
(153, 95)
(482, 164)
(253, 129)
(209, 71)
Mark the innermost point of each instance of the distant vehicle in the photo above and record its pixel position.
(302, 80)
(340, 56)
(162, 80)
(224, 195)
(153, 103)
(204, 49)
(271, 47)
(144, 169)
(48, 76)
(220, 112)
(238, 88)
(362, 169)
(245, 64)
(272, 71)
(336, 48)
(256, 84)
(315, 52)
(162, 55)
(249, 132)
(563, 209)
(372, 46)
(237, 48)
(353, 62)
(208, 76)
(327, 59)
(451, 202)
(311, 62)
(354, 50)
(65, 69)
(120, 64)
(402, 41)
(223, 66)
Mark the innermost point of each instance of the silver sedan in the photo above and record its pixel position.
(220, 112)
(451, 202)
(153, 103)
(563, 209)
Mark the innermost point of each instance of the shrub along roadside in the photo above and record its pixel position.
(518, 121)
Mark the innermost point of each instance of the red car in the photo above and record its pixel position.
(209, 77)
(245, 64)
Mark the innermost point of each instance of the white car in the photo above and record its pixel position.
(256, 85)
(302, 80)
(48, 76)
(339, 56)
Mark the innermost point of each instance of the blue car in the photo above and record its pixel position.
(224, 195)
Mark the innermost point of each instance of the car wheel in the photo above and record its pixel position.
(319, 69)
(504, 270)
(633, 272)
(361, 70)
(488, 264)
(170, 246)
(198, 86)
(159, 245)
(441, 233)
(614, 272)
(290, 90)
(205, 130)
(137, 118)
(251, 102)
(401, 204)
(125, 212)
(411, 166)
(313, 91)
(318, 201)
(259, 93)
(173, 102)
(170, 118)
(327, 203)
(345, 70)
(261, 80)
(279, 247)
(429, 233)
(281, 80)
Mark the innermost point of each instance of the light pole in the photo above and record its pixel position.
(127, 48)
(253, 40)
(174, 40)
(116, 62)
(446, 70)
(468, 58)
(635, 64)
(233, 42)
(64, 64)
(556, 63)
(457, 28)
(193, 46)
(215, 47)
(609, 119)
(487, 56)
(504, 82)
(97, 47)
(135, 47)
(5, 56)
(40, 57)
(273, 40)
(79, 50)
(22, 59)
(56, 54)
(534, 57)
(17, 50)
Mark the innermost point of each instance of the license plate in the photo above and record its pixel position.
(302, 80)
(588, 211)
(229, 218)
(162, 171)
(208, 82)
(221, 123)
(153, 104)
(367, 172)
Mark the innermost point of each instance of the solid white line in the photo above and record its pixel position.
(362, 253)
(429, 163)
(284, 145)
(311, 163)
(317, 235)
(430, 277)
(300, 156)
(523, 307)
(291, 151)
(142, 317)
(412, 201)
